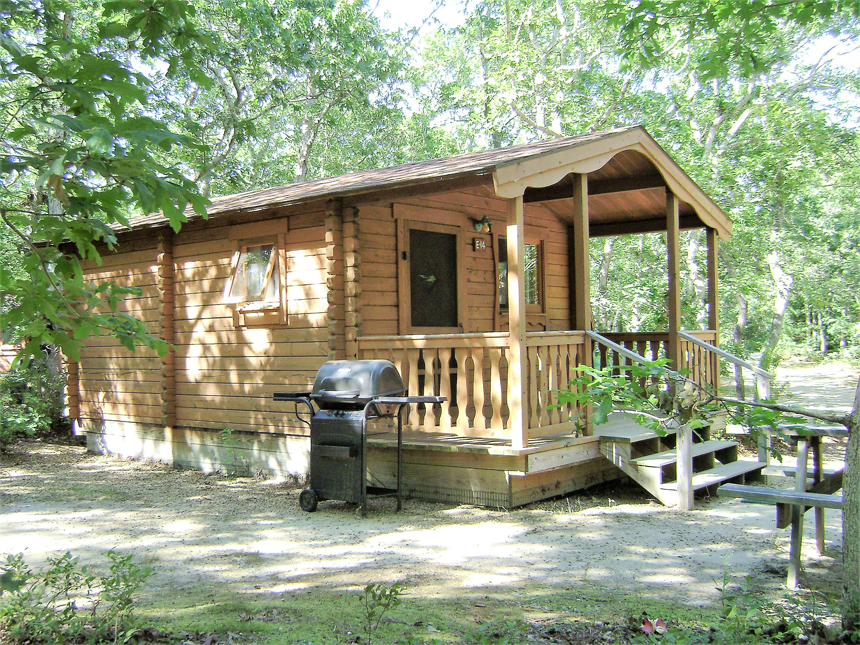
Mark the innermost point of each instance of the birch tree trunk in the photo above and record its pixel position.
(603, 283)
(738, 331)
(697, 289)
(738, 337)
(783, 282)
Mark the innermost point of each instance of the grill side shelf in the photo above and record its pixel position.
(403, 400)
(296, 397)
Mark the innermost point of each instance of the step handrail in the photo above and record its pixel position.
(615, 347)
(626, 353)
(724, 354)
(763, 377)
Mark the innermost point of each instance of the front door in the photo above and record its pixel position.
(433, 279)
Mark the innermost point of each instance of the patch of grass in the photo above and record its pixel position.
(328, 616)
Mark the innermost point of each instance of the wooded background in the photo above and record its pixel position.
(758, 102)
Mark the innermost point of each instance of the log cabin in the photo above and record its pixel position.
(470, 273)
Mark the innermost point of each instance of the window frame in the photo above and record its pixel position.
(263, 312)
(540, 270)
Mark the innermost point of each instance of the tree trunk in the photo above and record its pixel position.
(738, 337)
(783, 282)
(822, 334)
(851, 521)
(697, 289)
(303, 152)
(603, 282)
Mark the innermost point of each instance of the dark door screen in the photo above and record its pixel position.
(433, 278)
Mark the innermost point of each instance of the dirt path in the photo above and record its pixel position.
(829, 386)
(196, 530)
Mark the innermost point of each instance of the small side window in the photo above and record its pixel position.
(255, 277)
(255, 288)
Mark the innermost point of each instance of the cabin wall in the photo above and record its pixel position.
(210, 405)
(114, 383)
(227, 371)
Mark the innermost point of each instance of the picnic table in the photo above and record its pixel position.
(791, 505)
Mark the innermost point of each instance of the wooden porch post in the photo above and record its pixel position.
(518, 419)
(580, 263)
(580, 273)
(674, 305)
(685, 433)
(714, 301)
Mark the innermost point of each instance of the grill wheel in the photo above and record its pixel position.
(308, 500)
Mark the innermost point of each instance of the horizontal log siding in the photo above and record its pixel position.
(114, 383)
(378, 270)
(226, 375)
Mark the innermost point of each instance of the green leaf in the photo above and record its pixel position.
(601, 414)
(101, 140)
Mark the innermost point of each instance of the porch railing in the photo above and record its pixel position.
(447, 365)
(552, 356)
(471, 371)
(696, 352)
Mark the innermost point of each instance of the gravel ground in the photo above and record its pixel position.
(195, 529)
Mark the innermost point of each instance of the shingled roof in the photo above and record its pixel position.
(483, 163)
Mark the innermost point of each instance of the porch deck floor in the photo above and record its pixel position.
(450, 442)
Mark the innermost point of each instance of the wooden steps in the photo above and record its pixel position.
(651, 459)
(667, 457)
(723, 473)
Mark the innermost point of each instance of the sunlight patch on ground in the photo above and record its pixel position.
(182, 527)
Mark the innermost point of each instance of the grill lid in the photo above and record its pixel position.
(356, 382)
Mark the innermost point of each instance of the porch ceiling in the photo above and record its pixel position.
(627, 195)
(628, 177)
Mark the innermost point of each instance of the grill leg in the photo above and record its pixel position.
(364, 464)
(399, 458)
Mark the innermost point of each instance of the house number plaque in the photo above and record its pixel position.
(480, 244)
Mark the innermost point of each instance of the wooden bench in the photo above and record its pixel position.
(790, 504)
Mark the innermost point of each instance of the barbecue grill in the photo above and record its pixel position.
(346, 394)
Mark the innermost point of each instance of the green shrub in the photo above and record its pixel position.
(67, 603)
(31, 399)
(375, 601)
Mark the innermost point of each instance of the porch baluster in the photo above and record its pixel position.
(496, 385)
(533, 387)
(460, 355)
(445, 386)
(480, 422)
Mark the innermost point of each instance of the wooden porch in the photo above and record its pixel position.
(470, 449)
(488, 407)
